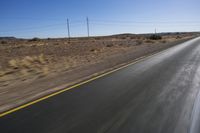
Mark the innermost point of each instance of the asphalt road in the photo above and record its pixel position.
(157, 95)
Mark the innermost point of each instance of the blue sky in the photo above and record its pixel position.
(48, 18)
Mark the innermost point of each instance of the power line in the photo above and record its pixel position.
(141, 24)
(136, 22)
(77, 23)
(97, 20)
(37, 19)
(100, 24)
(34, 28)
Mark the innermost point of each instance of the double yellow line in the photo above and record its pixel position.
(76, 85)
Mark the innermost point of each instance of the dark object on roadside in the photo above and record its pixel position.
(4, 42)
(178, 37)
(155, 37)
(34, 39)
(109, 45)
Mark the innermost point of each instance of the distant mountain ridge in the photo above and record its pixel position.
(7, 38)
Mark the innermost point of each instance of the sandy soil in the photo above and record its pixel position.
(33, 68)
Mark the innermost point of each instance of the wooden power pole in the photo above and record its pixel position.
(68, 29)
(88, 27)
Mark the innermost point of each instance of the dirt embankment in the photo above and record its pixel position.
(32, 68)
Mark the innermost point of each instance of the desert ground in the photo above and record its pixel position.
(32, 68)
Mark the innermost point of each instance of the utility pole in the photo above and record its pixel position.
(155, 31)
(68, 30)
(88, 27)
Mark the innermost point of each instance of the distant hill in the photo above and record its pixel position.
(8, 38)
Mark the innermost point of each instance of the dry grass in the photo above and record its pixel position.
(149, 41)
(31, 67)
(27, 62)
(27, 66)
(139, 42)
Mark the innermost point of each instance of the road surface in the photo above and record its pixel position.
(159, 94)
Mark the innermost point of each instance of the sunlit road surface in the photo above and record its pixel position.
(157, 95)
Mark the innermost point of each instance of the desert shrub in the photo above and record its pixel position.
(132, 37)
(97, 38)
(56, 43)
(13, 63)
(34, 39)
(178, 37)
(93, 40)
(155, 37)
(4, 42)
(109, 45)
(92, 50)
(163, 41)
(27, 61)
(139, 42)
(149, 41)
(123, 37)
